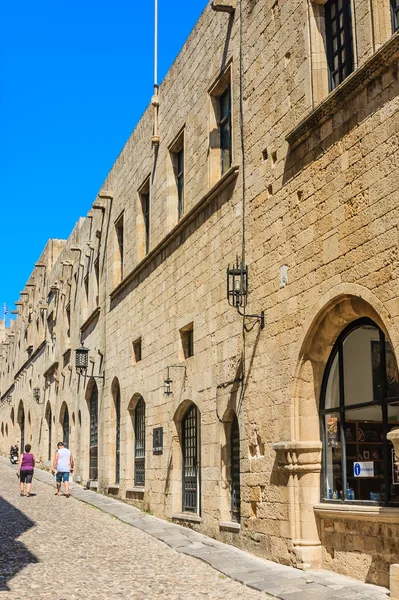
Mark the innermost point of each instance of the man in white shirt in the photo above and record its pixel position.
(63, 464)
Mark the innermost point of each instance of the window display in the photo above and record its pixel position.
(359, 405)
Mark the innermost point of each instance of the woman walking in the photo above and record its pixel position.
(26, 466)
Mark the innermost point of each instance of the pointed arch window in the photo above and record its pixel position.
(139, 444)
(359, 405)
(93, 452)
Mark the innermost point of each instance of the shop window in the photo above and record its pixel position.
(338, 24)
(139, 444)
(395, 15)
(359, 405)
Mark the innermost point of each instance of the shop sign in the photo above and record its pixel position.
(363, 469)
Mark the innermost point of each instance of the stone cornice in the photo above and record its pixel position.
(299, 457)
(30, 359)
(90, 319)
(372, 68)
(223, 182)
(7, 393)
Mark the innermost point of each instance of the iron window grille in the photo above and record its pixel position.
(139, 444)
(339, 40)
(65, 428)
(117, 436)
(235, 470)
(180, 182)
(225, 130)
(343, 438)
(93, 471)
(395, 15)
(190, 461)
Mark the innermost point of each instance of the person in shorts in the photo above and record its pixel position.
(63, 465)
(26, 465)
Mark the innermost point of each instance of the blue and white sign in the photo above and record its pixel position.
(363, 469)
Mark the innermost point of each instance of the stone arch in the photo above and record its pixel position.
(300, 457)
(230, 424)
(130, 434)
(21, 424)
(64, 424)
(48, 429)
(90, 435)
(114, 452)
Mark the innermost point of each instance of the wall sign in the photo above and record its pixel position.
(363, 469)
(157, 440)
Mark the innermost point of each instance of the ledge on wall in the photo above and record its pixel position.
(187, 518)
(385, 56)
(229, 526)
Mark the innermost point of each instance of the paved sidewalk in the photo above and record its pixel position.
(277, 580)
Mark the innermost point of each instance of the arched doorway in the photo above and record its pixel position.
(116, 393)
(359, 404)
(21, 423)
(191, 487)
(93, 444)
(65, 427)
(139, 444)
(49, 429)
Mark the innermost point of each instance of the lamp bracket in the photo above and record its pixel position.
(260, 317)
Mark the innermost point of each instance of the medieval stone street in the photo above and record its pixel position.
(58, 548)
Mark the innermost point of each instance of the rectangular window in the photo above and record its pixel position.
(339, 40)
(137, 351)
(395, 15)
(225, 130)
(145, 207)
(119, 247)
(68, 320)
(180, 182)
(97, 275)
(187, 341)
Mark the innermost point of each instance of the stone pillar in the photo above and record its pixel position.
(394, 582)
(302, 461)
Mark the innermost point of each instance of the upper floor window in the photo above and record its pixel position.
(395, 14)
(225, 129)
(339, 40)
(119, 235)
(144, 221)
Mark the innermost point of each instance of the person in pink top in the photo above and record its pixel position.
(26, 465)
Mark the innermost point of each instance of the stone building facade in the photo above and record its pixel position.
(278, 130)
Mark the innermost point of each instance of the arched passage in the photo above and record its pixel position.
(21, 424)
(48, 430)
(116, 422)
(65, 425)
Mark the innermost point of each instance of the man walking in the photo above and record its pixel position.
(63, 464)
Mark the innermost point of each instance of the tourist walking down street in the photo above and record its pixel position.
(63, 464)
(26, 465)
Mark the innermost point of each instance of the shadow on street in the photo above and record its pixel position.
(14, 556)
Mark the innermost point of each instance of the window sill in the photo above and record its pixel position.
(185, 220)
(92, 485)
(90, 319)
(229, 526)
(384, 514)
(190, 517)
(135, 490)
(378, 63)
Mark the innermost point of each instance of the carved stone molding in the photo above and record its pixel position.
(299, 457)
(386, 56)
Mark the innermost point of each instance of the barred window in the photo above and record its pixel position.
(339, 40)
(139, 444)
(395, 15)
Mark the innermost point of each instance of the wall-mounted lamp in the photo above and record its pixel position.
(237, 290)
(36, 394)
(168, 382)
(82, 362)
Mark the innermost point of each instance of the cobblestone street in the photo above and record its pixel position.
(53, 548)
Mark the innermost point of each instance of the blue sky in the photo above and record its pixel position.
(75, 77)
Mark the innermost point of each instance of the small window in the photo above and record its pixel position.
(187, 341)
(395, 15)
(339, 40)
(97, 276)
(220, 121)
(144, 232)
(225, 130)
(68, 320)
(137, 351)
(119, 248)
(86, 283)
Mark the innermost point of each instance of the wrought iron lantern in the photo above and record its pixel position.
(168, 386)
(237, 290)
(36, 394)
(81, 360)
